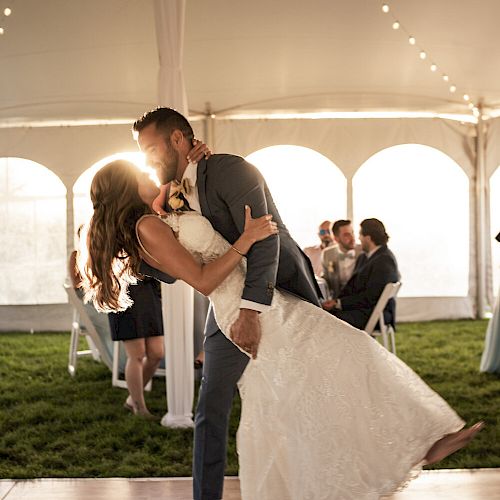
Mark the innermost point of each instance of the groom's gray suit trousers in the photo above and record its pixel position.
(223, 366)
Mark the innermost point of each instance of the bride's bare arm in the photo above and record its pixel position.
(173, 259)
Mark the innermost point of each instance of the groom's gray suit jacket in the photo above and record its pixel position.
(226, 183)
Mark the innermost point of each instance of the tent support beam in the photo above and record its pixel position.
(209, 127)
(480, 193)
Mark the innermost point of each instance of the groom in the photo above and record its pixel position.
(219, 188)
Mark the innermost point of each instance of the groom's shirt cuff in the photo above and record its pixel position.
(254, 306)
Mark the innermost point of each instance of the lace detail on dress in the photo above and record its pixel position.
(172, 219)
(327, 412)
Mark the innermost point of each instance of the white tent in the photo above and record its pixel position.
(76, 74)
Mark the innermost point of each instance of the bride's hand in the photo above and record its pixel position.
(160, 201)
(258, 229)
(198, 151)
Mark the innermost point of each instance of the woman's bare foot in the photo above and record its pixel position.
(136, 410)
(451, 443)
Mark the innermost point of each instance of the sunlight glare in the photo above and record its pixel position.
(422, 197)
(82, 207)
(306, 187)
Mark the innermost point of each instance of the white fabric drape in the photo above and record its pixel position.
(169, 21)
(177, 299)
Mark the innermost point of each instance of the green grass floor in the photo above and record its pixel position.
(52, 425)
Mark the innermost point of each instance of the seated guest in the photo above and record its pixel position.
(314, 252)
(338, 260)
(374, 268)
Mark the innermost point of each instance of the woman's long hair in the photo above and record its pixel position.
(113, 259)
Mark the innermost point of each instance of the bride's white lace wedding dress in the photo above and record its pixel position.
(327, 413)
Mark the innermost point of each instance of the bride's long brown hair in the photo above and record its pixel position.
(113, 256)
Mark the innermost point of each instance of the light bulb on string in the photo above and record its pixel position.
(396, 25)
(475, 111)
(2, 31)
(7, 12)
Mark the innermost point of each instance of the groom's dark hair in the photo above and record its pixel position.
(166, 120)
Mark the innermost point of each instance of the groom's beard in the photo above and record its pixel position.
(166, 170)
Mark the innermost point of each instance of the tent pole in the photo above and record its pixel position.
(209, 127)
(349, 208)
(480, 217)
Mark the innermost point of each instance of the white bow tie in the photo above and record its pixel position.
(350, 254)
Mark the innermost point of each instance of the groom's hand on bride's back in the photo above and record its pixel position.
(246, 331)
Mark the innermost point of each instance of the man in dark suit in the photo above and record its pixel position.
(219, 188)
(374, 268)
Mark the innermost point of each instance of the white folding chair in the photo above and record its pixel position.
(390, 291)
(78, 330)
(87, 321)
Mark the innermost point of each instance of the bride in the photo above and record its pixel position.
(327, 413)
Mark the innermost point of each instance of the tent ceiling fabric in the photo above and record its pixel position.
(92, 59)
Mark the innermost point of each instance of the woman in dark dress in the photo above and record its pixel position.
(140, 327)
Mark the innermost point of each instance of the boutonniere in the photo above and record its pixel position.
(176, 202)
(177, 197)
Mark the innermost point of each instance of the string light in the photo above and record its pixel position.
(396, 25)
(7, 11)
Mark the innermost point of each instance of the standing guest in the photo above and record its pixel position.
(73, 271)
(490, 359)
(314, 252)
(374, 268)
(338, 260)
(140, 327)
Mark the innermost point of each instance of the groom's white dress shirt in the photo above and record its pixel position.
(191, 174)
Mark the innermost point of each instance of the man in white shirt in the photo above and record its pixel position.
(338, 260)
(314, 252)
